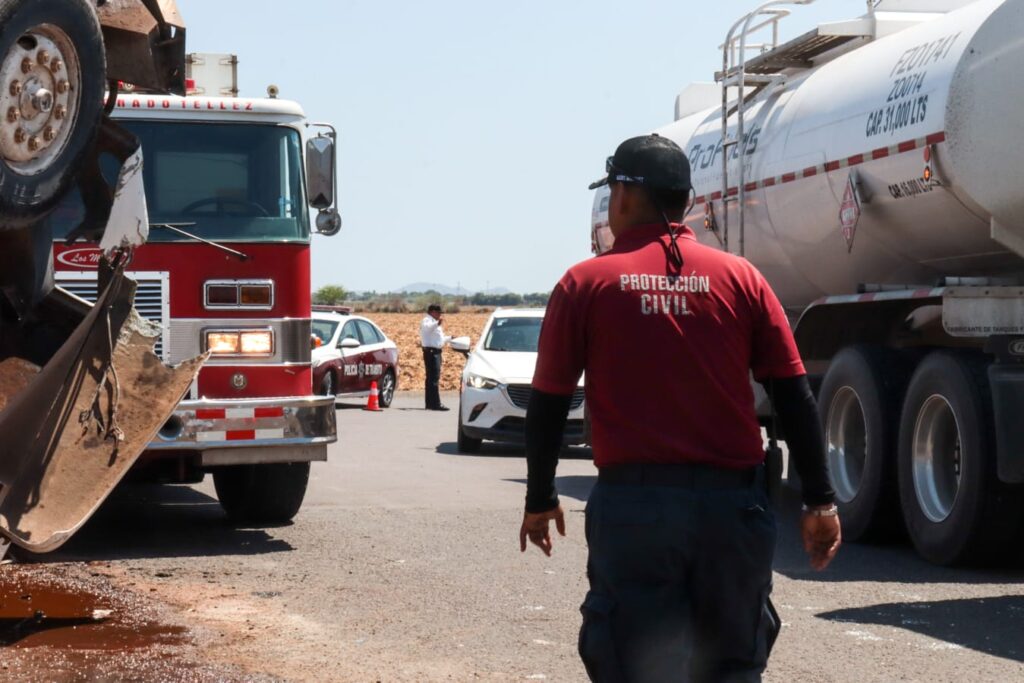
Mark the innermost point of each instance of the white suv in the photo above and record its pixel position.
(496, 382)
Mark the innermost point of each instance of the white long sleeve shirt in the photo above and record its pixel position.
(431, 334)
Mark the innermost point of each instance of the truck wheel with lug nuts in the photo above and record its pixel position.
(859, 403)
(466, 443)
(269, 493)
(52, 71)
(386, 393)
(955, 508)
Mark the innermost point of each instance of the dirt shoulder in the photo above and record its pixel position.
(77, 621)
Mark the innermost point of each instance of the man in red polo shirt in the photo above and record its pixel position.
(680, 531)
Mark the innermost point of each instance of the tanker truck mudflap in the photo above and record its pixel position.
(1006, 378)
(79, 423)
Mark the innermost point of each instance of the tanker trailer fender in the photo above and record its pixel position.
(877, 318)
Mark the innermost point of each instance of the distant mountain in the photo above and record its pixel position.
(447, 290)
(433, 286)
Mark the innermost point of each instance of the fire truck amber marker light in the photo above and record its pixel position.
(239, 294)
(256, 295)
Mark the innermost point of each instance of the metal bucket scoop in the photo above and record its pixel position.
(79, 424)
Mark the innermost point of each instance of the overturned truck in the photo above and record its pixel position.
(81, 391)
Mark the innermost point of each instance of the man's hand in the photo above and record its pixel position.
(536, 527)
(822, 538)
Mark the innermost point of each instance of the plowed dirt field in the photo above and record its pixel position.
(404, 330)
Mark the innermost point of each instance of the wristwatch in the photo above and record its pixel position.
(830, 511)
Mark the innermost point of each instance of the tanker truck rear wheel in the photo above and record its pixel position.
(52, 82)
(955, 509)
(267, 494)
(859, 403)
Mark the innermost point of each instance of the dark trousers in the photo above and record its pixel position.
(679, 583)
(432, 361)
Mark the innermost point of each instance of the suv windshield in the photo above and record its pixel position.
(233, 181)
(514, 334)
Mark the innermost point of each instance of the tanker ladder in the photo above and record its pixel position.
(763, 74)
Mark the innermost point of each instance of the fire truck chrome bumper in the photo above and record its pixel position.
(217, 425)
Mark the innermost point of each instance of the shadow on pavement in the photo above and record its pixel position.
(894, 561)
(572, 486)
(500, 449)
(151, 521)
(487, 449)
(990, 625)
(890, 561)
(577, 486)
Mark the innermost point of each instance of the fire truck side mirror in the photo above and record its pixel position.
(320, 171)
(328, 222)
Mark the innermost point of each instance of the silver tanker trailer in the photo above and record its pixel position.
(869, 169)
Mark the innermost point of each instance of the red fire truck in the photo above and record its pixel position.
(230, 186)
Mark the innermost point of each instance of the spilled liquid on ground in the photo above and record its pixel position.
(35, 614)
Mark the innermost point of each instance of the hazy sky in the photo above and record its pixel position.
(470, 130)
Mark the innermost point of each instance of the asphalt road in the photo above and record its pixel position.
(404, 566)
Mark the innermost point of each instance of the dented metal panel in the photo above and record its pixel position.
(983, 311)
(83, 420)
(145, 42)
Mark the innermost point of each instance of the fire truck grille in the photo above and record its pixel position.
(150, 296)
(519, 394)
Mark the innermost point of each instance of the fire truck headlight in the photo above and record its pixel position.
(240, 342)
(219, 343)
(258, 343)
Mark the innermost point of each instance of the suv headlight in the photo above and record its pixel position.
(481, 382)
(240, 342)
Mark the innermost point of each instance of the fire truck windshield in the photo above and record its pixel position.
(230, 182)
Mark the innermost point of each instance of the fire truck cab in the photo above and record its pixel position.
(230, 185)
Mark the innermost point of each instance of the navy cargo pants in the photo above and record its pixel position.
(680, 571)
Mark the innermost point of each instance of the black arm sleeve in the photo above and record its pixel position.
(545, 422)
(797, 410)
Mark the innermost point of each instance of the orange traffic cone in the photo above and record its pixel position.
(373, 402)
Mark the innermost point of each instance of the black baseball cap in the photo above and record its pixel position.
(649, 160)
